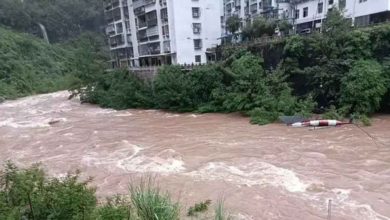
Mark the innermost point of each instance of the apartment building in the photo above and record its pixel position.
(162, 32)
(118, 32)
(309, 14)
(247, 10)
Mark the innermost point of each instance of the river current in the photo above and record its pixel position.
(262, 172)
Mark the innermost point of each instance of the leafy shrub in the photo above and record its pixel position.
(172, 89)
(116, 208)
(363, 87)
(263, 96)
(119, 90)
(199, 208)
(334, 113)
(30, 194)
(365, 120)
(182, 91)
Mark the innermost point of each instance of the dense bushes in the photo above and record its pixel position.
(363, 87)
(118, 90)
(344, 69)
(30, 66)
(30, 194)
(241, 85)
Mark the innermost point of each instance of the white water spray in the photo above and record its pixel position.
(44, 33)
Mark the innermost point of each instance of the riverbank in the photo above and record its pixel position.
(264, 172)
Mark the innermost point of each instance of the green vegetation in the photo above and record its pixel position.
(344, 69)
(258, 28)
(151, 204)
(30, 194)
(199, 208)
(63, 20)
(241, 85)
(220, 212)
(233, 24)
(363, 87)
(31, 66)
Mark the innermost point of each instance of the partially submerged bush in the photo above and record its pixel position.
(199, 208)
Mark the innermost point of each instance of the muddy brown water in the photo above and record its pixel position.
(268, 172)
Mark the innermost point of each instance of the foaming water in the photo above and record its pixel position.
(128, 157)
(251, 174)
(263, 172)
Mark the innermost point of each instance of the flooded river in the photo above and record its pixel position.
(268, 172)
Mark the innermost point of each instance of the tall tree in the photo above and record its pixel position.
(233, 24)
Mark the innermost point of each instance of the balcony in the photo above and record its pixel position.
(149, 49)
(149, 2)
(138, 3)
(110, 29)
(142, 24)
(142, 36)
(117, 40)
(152, 23)
(139, 11)
(110, 5)
(113, 15)
(153, 31)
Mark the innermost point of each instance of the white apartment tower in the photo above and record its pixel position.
(168, 31)
(306, 15)
(247, 10)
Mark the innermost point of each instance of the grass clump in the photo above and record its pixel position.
(220, 211)
(151, 204)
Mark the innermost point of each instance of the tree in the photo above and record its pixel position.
(335, 24)
(363, 87)
(233, 24)
(258, 28)
(284, 26)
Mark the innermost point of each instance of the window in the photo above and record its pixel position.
(196, 27)
(320, 8)
(198, 44)
(305, 12)
(198, 59)
(165, 31)
(297, 14)
(331, 2)
(164, 14)
(196, 12)
(119, 28)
